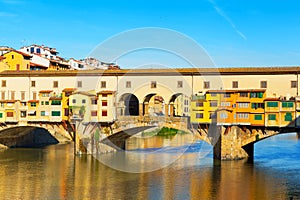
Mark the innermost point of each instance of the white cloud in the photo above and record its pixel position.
(222, 14)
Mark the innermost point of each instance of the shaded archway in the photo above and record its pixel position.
(154, 105)
(129, 105)
(179, 105)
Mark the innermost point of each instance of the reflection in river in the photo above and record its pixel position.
(54, 173)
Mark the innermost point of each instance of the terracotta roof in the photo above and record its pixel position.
(33, 101)
(69, 89)
(55, 98)
(22, 53)
(8, 101)
(45, 91)
(106, 92)
(37, 65)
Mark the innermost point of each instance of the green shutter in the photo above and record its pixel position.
(290, 104)
(257, 117)
(1, 115)
(271, 117)
(288, 117)
(55, 113)
(272, 104)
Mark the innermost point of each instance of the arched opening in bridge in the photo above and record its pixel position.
(154, 105)
(179, 105)
(129, 105)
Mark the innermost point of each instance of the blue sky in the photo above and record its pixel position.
(235, 33)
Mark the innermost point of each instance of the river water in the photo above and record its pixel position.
(54, 172)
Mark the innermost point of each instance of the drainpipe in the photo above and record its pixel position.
(297, 84)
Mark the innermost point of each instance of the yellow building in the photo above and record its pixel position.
(272, 110)
(287, 113)
(55, 108)
(10, 111)
(65, 102)
(17, 60)
(80, 106)
(33, 114)
(199, 110)
(257, 112)
(44, 106)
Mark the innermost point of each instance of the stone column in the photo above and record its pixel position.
(146, 108)
(141, 109)
(171, 109)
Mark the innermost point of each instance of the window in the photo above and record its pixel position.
(199, 104)
(257, 105)
(42, 102)
(213, 104)
(213, 94)
(79, 84)
(179, 84)
(257, 117)
(33, 104)
(31, 49)
(12, 95)
(235, 84)
(12, 56)
(287, 104)
(43, 113)
(10, 114)
(103, 84)
(23, 103)
(3, 95)
(243, 105)
(1, 115)
(104, 95)
(104, 113)
(34, 95)
(104, 103)
(227, 95)
(271, 117)
(3, 83)
(293, 84)
(55, 84)
(272, 104)
(94, 113)
(243, 115)
(55, 102)
(83, 101)
(94, 101)
(153, 84)
(199, 115)
(55, 113)
(288, 117)
(244, 94)
(46, 103)
(256, 95)
(32, 113)
(22, 95)
(263, 84)
(223, 115)
(74, 101)
(32, 83)
(206, 85)
(225, 104)
(38, 50)
(128, 84)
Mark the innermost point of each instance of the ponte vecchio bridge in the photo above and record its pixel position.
(176, 95)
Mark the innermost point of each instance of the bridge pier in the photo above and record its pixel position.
(228, 144)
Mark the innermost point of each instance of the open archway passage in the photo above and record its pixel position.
(131, 105)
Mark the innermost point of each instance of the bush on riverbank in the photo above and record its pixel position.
(164, 131)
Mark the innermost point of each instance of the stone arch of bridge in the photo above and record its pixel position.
(128, 105)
